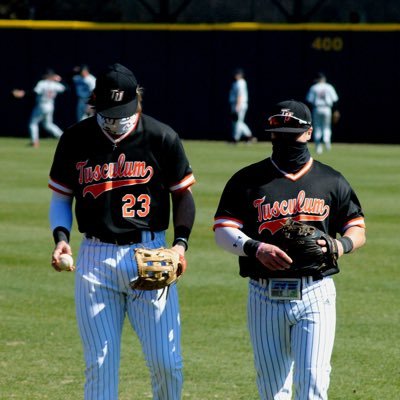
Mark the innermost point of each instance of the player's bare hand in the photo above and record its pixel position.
(181, 251)
(18, 93)
(323, 244)
(273, 257)
(61, 248)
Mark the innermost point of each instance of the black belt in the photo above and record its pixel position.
(119, 239)
(309, 278)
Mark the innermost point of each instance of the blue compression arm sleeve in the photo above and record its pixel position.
(60, 213)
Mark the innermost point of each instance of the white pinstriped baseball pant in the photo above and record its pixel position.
(103, 299)
(293, 340)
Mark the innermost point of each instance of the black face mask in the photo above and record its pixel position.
(288, 154)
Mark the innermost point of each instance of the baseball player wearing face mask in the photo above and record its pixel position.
(122, 167)
(291, 331)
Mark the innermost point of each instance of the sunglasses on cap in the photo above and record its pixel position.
(276, 121)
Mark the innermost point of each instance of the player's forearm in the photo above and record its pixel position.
(184, 211)
(235, 241)
(60, 216)
(231, 240)
(357, 236)
(239, 102)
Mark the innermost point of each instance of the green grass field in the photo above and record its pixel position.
(41, 356)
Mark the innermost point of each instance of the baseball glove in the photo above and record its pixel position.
(157, 268)
(336, 116)
(299, 241)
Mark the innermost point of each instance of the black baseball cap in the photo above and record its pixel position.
(115, 92)
(289, 116)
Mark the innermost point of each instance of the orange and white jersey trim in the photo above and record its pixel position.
(59, 188)
(359, 221)
(227, 222)
(185, 183)
(298, 174)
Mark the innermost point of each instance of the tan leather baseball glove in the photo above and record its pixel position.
(157, 268)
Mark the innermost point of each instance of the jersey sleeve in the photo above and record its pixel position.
(241, 85)
(229, 213)
(61, 175)
(350, 212)
(310, 97)
(334, 95)
(38, 89)
(179, 172)
(60, 88)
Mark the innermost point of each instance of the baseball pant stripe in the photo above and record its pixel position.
(271, 362)
(160, 339)
(313, 338)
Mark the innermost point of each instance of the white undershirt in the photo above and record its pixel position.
(231, 240)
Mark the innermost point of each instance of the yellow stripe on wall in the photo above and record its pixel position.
(234, 26)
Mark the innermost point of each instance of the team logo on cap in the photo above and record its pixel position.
(117, 95)
(287, 113)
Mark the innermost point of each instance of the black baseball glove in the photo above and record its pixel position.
(299, 241)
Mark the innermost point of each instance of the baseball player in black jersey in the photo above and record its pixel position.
(291, 314)
(122, 167)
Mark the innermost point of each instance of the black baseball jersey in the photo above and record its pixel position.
(122, 188)
(259, 198)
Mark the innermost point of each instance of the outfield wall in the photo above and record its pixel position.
(186, 70)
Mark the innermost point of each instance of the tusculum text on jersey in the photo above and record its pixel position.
(300, 205)
(119, 169)
(105, 177)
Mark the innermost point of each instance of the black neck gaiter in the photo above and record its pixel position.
(289, 155)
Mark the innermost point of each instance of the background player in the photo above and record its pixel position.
(122, 167)
(46, 91)
(292, 338)
(84, 83)
(239, 100)
(322, 96)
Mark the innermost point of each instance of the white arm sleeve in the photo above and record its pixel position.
(231, 240)
(60, 213)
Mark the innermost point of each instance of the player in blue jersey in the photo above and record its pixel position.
(84, 83)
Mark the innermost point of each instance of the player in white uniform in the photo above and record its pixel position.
(46, 91)
(322, 96)
(239, 100)
(122, 168)
(292, 331)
